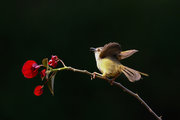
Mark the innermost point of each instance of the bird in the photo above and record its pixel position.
(108, 62)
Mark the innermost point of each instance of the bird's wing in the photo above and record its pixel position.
(126, 54)
(110, 50)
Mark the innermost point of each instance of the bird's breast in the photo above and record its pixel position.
(108, 66)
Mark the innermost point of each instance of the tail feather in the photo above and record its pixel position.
(132, 74)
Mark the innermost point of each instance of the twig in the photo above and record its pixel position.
(116, 84)
(62, 62)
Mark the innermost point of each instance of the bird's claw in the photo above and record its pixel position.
(111, 81)
(93, 76)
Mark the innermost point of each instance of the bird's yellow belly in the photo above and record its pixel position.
(108, 67)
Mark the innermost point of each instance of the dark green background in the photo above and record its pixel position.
(68, 28)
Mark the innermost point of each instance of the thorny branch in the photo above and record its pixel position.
(113, 83)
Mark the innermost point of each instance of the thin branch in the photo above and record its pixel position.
(62, 62)
(114, 83)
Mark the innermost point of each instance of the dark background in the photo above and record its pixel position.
(68, 28)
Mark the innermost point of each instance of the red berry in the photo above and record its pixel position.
(52, 63)
(30, 69)
(38, 90)
(43, 73)
(54, 57)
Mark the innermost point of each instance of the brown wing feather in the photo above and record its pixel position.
(126, 54)
(111, 49)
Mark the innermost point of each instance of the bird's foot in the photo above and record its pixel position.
(111, 81)
(93, 76)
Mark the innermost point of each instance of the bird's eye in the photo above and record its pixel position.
(98, 50)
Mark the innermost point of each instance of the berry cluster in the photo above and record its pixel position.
(53, 61)
(30, 70)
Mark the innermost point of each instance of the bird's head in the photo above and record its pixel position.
(96, 51)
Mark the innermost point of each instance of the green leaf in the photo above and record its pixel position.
(51, 82)
(45, 62)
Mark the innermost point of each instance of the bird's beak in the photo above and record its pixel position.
(92, 49)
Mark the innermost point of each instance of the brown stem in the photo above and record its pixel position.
(62, 62)
(120, 86)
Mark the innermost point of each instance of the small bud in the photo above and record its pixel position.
(38, 90)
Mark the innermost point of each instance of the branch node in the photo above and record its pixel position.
(85, 71)
(136, 95)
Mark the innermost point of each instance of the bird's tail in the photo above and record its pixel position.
(131, 74)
